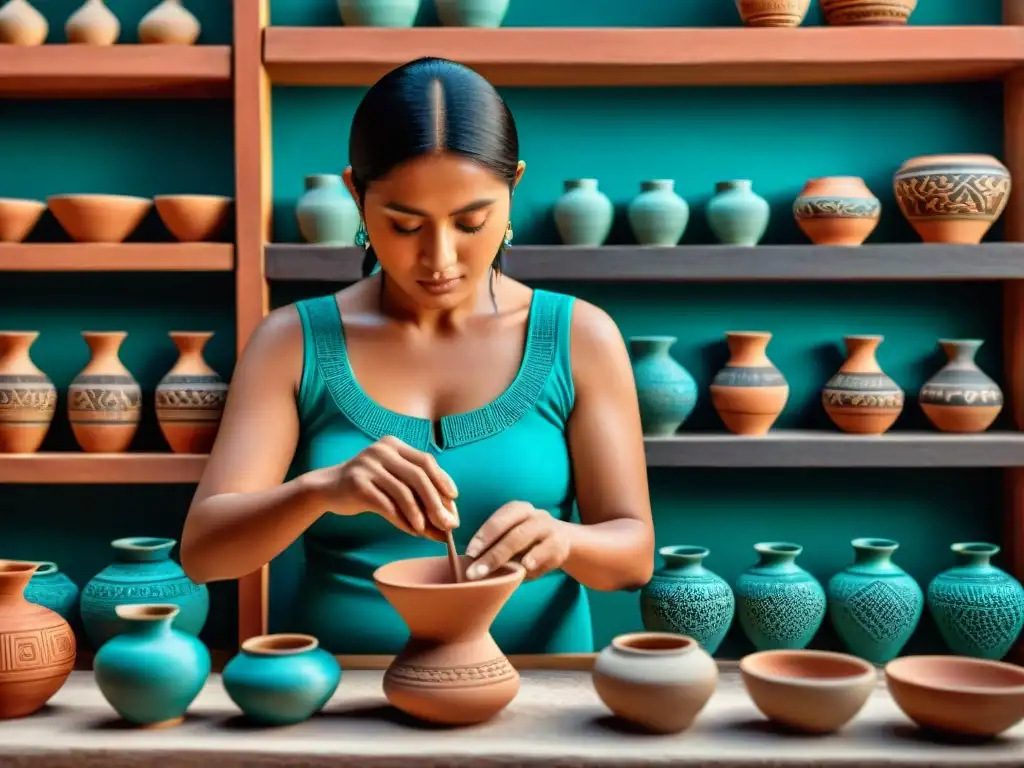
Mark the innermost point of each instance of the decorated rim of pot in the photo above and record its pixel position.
(505, 573)
(280, 644)
(778, 548)
(860, 669)
(18, 566)
(895, 670)
(876, 543)
(143, 543)
(105, 334)
(654, 643)
(147, 611)
(694, 551)
(45, 567)
(975, 548)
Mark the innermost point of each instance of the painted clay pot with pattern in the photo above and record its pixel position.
(92, 24)
(190, 398)
(37, 646)
(666, 391)
(837, 210)
(104, 399)
(22, 24)
(52, 588)
(749, 393)
(960, 397)
(169, 23)
(28, 399)
(450, 671)
(849, 13)
(860, 398)
(773, 13)
(952, 198)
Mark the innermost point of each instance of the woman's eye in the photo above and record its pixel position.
(470, 228)
(403, 230)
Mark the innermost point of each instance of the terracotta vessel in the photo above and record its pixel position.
(18, 217)
(952, 198)
(104, 399)
(749, 393)
(38, 645)
(656, 680)
(28, 399)
(809, 691)
(837, 210)
(98, 218)
(190, 398)
(850, 13)
(92, 24)
(960, 397)
(860, 398)
(958, 695)
(450, 671)
(194, 218)
(773, 13)
(169, 23)
(22, 24)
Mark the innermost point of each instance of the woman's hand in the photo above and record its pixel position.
(518, 529)
(401, 484)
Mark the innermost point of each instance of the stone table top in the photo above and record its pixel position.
(557, 721)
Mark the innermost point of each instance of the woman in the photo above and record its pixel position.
(434, 394)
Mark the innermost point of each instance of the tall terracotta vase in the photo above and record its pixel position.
(104, 400)
(28, 399)
(190, 398)
(450, 671)
(37, 646)
(860, 397)
(749, 393)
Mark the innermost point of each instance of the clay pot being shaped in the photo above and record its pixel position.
(471, 13)
(28, 399)
(39, 646)
(169, 23)
(18, 217)
(837, 210)
(104, 399)
(773, 13)
(194, 218)
(849, 13)
(960, 397)
(378, 13)
(860, 398)
(22, 24)
(190, 398)
(98, 218)
(749, 393)
(952, 198)
(658, 681)
(92, 24)
(583, 214)
(658, 216)
(450, 671)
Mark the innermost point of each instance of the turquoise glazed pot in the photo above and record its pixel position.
(979, 609)
(471, 13)
(686, 598)
(152, 673)
(52, 589)
(874, 605)
(326, 212)
(736, 214)
(779, 605)
(658, 216)
(666, 390)
(583, 214)
(281, 679)
(142, 572)
(378, 13)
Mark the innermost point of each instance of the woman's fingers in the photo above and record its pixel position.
(402, 496)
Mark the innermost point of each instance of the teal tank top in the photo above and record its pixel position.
(513, 449)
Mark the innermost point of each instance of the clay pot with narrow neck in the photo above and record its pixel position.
(960, 397)
(28, 399)
(749, 393)
(37, 646)
(837, 210)
(860, 398)
(583, 214)
(22, 24)
(104, 399)
(450, 671)
(190, 398)
(666, 391)
(169, 23)
(92, 24)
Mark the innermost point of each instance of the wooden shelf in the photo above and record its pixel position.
(621, 263)
(117, 71)
(117, 257)
(540, 56)
(100, 468)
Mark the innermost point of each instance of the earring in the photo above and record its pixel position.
(362, 236)
(508, 234)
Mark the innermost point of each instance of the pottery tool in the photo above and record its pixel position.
(453, 557)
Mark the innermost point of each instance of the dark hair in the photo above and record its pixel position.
(430, 105)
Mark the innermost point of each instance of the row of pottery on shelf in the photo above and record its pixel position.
(837, 13)
(112, 218)
(95, 24)
(402, 13)
(104, 404)
(749, 392)
(873, 604)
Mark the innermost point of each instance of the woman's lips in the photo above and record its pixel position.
(440, 286)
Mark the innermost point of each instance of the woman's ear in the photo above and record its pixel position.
(520, 169)
(346, 175)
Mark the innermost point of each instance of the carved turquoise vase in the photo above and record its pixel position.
(142, 572)
(658, 216)
(666, 390)
(736, 214)
(378, 13)
(978, 608)
(281, 679)
(53, 589)
(779, 605)
(583, 214)
(471, 13)
(326, 212)
(874, 605)
(152, 672)
(686, 598)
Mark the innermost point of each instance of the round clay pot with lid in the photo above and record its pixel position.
(190, 398)
(28, 399)
(18, 217)
(104, 399)
(773, 13)
(879, 13)
(961, 397)
(837, 210)
(860, 398)
(749, 393)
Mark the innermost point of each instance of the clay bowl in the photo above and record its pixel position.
(17, 217)
(193, 218)
(957, 694)
(99, 218)
(808, 691)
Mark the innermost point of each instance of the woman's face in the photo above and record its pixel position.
(436, 224)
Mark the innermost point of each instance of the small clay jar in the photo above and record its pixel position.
(860, 398)
(190, 398)
(169, 23)
(749, 393)
(104, 399)
(773, 13)
(837, 210)
(28, 399)
(960, 397)
(92, 24)
(22, 24)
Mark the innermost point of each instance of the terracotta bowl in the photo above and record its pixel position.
(809, 691)
(17, 217)
(958, 694)
(193, 218)
(99, 218)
